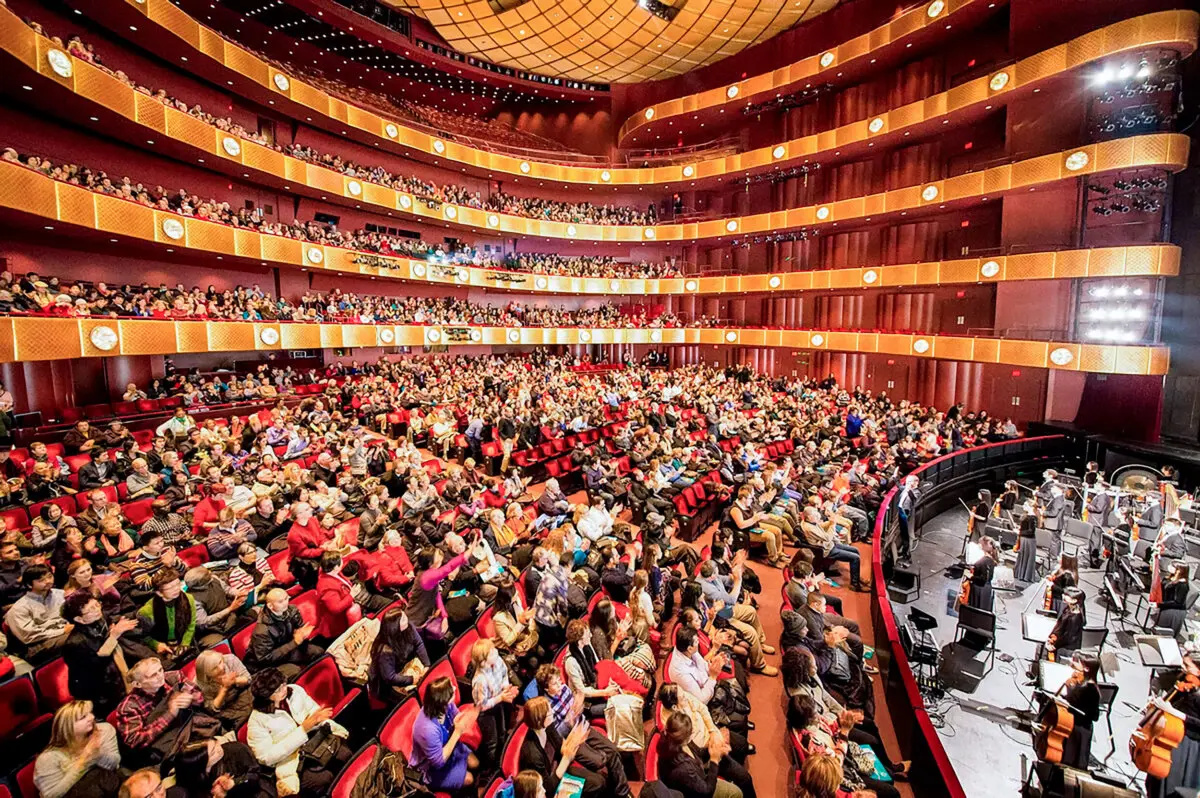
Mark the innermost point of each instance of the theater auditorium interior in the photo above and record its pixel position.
(558, 398)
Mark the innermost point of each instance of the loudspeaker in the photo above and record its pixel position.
(904, 586)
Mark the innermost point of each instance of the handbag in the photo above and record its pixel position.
(415, 669)
(623, 720)
(321, 748)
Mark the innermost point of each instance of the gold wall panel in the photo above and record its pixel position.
(231, 336)
(299, 336)
(1174, 29)
(46, 339)
(192, 336)
(146, 337)
(1024, 353)
(359, 335)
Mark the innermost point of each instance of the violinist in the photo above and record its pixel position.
(1092, 475)
(1082, 696)
(1010, 498)
(980, 514)
(980, 591)
(1067, 635)
(1185, 759)
(1174, 605)
(1064, 576)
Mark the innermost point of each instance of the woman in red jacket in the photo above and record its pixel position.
(390, 568)
(335, 593)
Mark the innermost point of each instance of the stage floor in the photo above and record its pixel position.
(976, 720)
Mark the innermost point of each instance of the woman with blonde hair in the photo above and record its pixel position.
(81, 576)
(82, 758)
(820, 777)
(493, 693)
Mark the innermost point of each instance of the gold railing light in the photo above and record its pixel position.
(1174, 29)
(28, 338)
(32, 193)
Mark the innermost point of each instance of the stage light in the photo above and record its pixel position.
(1121, 291)
(1103, 76)
(1125, 71)
(1144, 69)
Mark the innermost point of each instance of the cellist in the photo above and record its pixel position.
(1185, 759)
(1082, 696)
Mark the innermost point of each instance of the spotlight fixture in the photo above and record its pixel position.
(658, 9)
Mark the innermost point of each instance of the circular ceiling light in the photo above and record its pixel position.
(59, 62)
(439, 146)
(525, 167)
(998, 81)
(391, 130)
(731, 336)
(689, 170)
(990, 269)
(281, 81)
(823, 213)
(387, 335)
(355, 188)
(870, 276)
(775, 281)
(691, 285)
(648, 232)
(315, 254)
(1061, 356)
(731, 92)
(731, 226)
(875, 125)
(920, 346)
(231, 146)
(826, 59)
(929, 193)
(779, 152)
(103, 338)
(935, 8)
(269, 336)
(817, 339)
(606, 175)
(1077, 160)
(649, 114)
(172, 228)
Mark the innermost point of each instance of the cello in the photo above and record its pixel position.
(1160, 731)
(1054, 728)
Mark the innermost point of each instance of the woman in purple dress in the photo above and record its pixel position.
(444, 761)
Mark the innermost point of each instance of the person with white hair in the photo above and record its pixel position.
(552, 506)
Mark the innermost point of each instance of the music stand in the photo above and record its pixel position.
(1036, 628)
(1158, 653)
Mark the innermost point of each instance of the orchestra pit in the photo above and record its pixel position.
(671, 398)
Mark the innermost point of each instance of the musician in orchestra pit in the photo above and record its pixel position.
(1100, 515)
(1083, 699)
(1049, 480)
(1067, 634)
(980, 594)
(1174, 605)
(1149, 523)
(1065, 576)
(1170, 545)
(980, 513)
(1054, 513)
(1185, 759)
(1026, 568)
(1091, 475)
(1169, 485)
(1010, 498)
(905, 506)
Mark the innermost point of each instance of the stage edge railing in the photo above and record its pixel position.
(943, 481)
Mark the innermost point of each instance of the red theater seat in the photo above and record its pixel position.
(323, 683)
(510, 762)
(51, 681)
(343, 786)
(19, 712)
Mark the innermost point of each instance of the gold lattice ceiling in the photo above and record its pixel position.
(609, 41)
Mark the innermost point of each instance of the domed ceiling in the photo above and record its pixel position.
(609, 41)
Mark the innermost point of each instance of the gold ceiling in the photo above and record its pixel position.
(610, 41)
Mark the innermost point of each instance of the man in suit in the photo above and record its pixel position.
(1054, 515)
(814, 614)
(98, 473)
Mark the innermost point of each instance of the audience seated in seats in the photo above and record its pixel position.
(398, 658)
(584, 753)
(492, 693)
(36, 619)
(82, 758)
(212, 769)
(444, 762)
(225, 683)
(158, 716)
(280, 638)
(690, 769)
(287, 721)
(96, 665)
